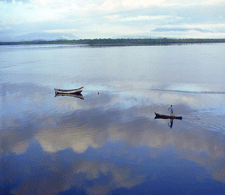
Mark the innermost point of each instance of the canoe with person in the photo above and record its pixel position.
(171, 116)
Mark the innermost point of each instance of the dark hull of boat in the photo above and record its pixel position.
(71, 91)
(163, 116)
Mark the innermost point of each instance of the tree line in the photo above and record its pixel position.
(120, 42)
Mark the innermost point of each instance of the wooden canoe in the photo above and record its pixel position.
(163, 116)
(70, 91)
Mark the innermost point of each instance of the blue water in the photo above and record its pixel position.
(109, 142)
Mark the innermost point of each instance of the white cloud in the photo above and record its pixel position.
(136, 18)
(142, 3)
(11, 1)
(53, 4)
(207, 26)
(4, 28)
(62, 31)
(107, 18)
(212, 2)
(112, 17)
(109, 5)
(112, 5)
(210, 27)
(41, 3)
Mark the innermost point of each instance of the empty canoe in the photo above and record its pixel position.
(70, 91)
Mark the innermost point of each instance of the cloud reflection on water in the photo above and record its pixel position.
(76, 173)
(61, 123)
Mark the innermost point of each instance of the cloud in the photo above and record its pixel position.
(113, 5)
(59, 4)
(113, 18)
(212, 2)
(142, 3)
(11, 1)
(4, 28)
(179, 29)
(138, 18)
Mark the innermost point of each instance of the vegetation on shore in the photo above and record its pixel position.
(121, 42)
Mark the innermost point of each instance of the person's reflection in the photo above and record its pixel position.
(170, 124)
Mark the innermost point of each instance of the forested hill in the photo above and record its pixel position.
(120, 42)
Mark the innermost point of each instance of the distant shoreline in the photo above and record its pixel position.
(120, 42)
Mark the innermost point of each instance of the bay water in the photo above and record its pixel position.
(107, 140)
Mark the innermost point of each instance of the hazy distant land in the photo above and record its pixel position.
(120, 42)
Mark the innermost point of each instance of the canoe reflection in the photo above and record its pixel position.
(75, 95)
(170, 124)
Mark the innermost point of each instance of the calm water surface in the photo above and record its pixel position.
(110, 143)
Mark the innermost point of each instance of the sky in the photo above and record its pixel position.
(114, 18)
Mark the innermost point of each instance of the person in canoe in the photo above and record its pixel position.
(171, 109)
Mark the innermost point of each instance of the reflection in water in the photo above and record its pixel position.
(75, 95)
(93, 177)
(110, 143)
(100, 146)
(170, 124)
(171, 117)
